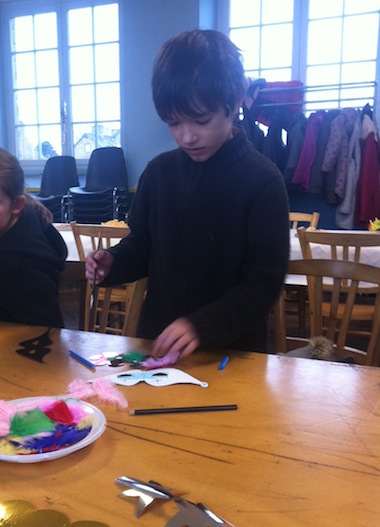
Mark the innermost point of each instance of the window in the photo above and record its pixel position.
(65, 81)
(330, 45)
(257, 27)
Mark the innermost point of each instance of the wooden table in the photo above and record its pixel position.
(303, 448)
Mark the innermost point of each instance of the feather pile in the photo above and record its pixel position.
(32, 428)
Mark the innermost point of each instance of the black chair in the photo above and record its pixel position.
(59, 174)
(106, 178)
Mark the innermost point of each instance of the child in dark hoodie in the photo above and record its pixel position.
(32, 253)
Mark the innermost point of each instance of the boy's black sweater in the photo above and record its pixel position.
(213, 237)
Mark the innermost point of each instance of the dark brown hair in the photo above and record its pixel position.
(197, 71)
(12, 183)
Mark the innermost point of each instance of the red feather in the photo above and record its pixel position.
(60, 413)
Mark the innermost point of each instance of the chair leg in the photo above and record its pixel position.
(302, 311)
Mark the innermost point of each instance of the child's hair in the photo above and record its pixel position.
(197, 71)
(11, 176)
(12, 183)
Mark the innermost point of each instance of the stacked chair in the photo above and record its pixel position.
(106, 179)
(60, 173)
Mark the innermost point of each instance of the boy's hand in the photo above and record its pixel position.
(179, 337)
(99, 262)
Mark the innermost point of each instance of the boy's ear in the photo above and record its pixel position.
(19, 205)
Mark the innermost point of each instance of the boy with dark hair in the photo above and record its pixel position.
(209, 223)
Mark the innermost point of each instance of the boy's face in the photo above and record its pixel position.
(202, 137)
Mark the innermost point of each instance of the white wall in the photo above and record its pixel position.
(146, 25)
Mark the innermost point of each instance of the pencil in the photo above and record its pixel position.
(186, 409)
(82, 360)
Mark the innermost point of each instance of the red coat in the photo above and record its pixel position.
(368, 201)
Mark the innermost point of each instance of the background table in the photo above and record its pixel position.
(303, 449)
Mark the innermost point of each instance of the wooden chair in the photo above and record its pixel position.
(324, 319)
(346, 246)
(308, 219)
(296, 294)
(108, 309)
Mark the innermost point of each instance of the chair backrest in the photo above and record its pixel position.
(90, 237)
(60, 173)
(122, 303)
(344, 245)
(334, 327)
(355, 246)
(106, 169)
(306, 218)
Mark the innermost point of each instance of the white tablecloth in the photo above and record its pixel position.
(369, 255)
(68, 236)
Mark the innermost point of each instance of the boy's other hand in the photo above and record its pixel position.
(179, 337)
(99, 262)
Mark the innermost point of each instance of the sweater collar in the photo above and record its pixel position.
(228, 154)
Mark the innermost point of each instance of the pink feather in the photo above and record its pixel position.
(107, 392)
(6, 413)
(81, 389)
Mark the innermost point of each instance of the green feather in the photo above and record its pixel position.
(30, 423)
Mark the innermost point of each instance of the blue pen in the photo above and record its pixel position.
(223, 363)
(81, 359)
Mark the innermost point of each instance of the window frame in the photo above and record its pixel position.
(18, 8)
(300, 40)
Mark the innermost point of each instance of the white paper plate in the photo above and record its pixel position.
(98, 427)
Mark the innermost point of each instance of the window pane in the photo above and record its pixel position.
(277, 11)
(107, 102)
(45, 31)
(106, 23)
(22, 33)
(243, 13)
(323, 50)
(47, 68)
(254, 74)
(360, 6)
(351, 72)
(325, 8)
(48, 105)
(25, 107)
(83, 140)
(110, 133)
(23, 75)
(319, 75)
(81, 65)
(82, 103)
(27, 142)
(277, 75)
(50, 140)
(107, 62)
(280, 55)
(355, 28)
(248, 41)
(80, 26)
